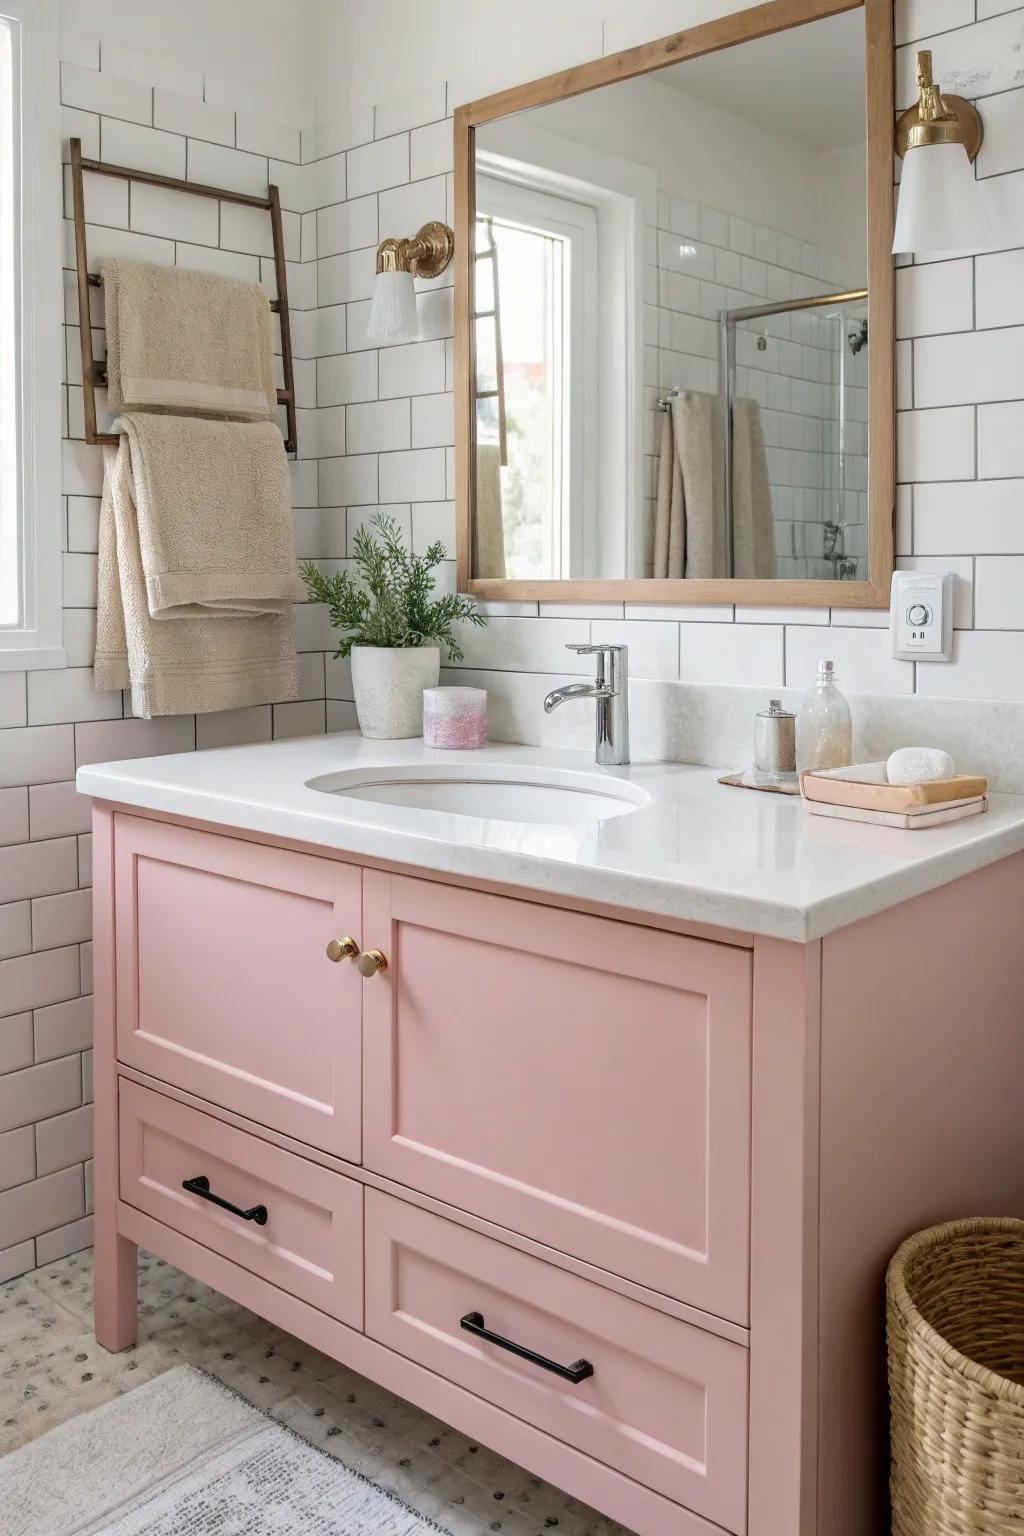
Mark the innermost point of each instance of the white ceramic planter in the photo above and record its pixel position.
(388, 684)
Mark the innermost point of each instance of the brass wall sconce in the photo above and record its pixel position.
(393, 316)
(940, 203)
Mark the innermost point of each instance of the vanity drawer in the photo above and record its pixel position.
(223, 983)
(666, 1403)
(311, 1240)
(582, 1081)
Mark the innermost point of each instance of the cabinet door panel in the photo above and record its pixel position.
(224, 987)
(582, 1081)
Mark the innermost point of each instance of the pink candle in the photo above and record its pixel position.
(454, 717)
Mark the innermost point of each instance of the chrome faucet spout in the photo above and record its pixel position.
(574, 691)
(610, 691)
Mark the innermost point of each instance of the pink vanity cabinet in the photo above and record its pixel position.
(612, 1194)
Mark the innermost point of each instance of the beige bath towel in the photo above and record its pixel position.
(187, 341)
(214, 514)
(690, 525)
(698, 427)
(192, 658)
(490, 530)
(669, 553)
(753, 525)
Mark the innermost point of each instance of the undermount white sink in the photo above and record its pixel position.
(537, 796)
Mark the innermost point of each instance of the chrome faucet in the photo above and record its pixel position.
(610, 690)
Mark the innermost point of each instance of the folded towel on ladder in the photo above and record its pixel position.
(187, 341)
(196, 569)
(214, 514)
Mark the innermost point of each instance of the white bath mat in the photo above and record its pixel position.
(182, 1456)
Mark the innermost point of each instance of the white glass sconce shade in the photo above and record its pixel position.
(393, 314)
(940, 204)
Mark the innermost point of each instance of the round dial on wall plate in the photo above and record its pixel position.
(918, 614)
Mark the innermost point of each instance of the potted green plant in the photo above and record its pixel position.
(392, 626)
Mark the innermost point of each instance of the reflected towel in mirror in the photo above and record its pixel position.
(690, 524)
(668, 557)
(753, 525)
(689, 527)
(490, 530)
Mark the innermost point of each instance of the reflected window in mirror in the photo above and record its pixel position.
(556, 253)
(535, 324)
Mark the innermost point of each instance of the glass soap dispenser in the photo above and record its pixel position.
(824, 727)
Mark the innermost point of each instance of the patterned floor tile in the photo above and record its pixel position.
(52, 1368)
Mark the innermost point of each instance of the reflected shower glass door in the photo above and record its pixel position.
(796, 375)
(845, 446)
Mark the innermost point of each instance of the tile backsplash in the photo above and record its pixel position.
(375, 430)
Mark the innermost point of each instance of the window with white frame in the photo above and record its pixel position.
(30, 336)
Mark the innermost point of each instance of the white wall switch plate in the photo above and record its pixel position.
(921, 615)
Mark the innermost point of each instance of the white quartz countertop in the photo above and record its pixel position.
(697, 850)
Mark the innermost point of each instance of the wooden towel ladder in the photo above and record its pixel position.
(93, 372)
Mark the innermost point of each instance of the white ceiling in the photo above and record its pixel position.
(807, 83)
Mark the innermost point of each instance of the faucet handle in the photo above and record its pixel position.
(612, 664)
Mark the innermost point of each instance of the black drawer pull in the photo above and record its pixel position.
(473, 1322)
(201, 1186)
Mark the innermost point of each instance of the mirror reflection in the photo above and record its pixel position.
(671, 322)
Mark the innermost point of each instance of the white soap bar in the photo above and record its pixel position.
(919, 765)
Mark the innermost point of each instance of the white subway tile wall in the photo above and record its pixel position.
(130, 109)
(375, 433)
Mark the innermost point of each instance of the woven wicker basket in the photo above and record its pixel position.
(955, 1313)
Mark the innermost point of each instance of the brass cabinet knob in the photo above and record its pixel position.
(371, 962)
(341, 949)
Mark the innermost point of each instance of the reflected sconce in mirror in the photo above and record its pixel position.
(940, 202)
(393, 316)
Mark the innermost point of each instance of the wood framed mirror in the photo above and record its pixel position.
(674, 349)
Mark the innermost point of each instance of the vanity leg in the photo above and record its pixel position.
(115, 1291)
(115, 1259)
